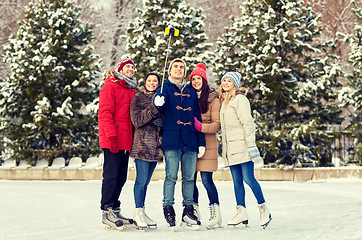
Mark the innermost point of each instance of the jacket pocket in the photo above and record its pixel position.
(236, 147)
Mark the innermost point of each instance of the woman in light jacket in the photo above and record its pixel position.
(210, 114)
(146, 148)
(238, 146)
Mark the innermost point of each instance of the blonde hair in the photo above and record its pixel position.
(230, 95)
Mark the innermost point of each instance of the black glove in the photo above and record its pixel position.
(157, 122)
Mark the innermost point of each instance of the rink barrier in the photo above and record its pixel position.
(222, 174)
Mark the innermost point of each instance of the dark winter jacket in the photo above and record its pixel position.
(114, 113)
(147, 137)
(179, 110)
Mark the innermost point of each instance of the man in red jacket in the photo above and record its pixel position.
(115, 138)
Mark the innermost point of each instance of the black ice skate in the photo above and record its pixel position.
(127, 222)
(169, 214)
(110, 220)
(189, 219)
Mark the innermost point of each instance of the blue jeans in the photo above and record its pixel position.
(245, 172)
(188, 166)
(206, 178)
(144, 171)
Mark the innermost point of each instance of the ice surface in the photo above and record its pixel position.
(70, 210)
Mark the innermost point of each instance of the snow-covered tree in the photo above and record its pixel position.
(291, 77)
(351, 95)
(146, 41)
(53, 73)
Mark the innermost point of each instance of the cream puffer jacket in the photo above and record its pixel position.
(238, 130)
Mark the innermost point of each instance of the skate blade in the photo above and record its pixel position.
(128, 225)
(214, 227)
(109, 228)
(266, 224)
(141, 229)
(243, 222)
(152, 226)
(188, 226)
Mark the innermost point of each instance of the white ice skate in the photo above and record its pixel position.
(265, 215)
(240, 217)
(139, 219)
(215, 216)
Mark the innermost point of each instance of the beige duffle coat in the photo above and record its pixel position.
(210, 126)
(238, 130)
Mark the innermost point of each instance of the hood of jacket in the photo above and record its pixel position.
(212, 95)
(122, 82)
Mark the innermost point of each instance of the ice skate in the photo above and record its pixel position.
(110, 220)
(240, 217)
(150, 223)
(265, 215)
(170, 216)
(139, 219)
(215, 216)
(197, 211)
(189, 220)
(127, 222)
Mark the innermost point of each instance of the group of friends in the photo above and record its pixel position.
(175, 122)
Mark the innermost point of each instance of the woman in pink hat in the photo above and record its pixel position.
(209, 124)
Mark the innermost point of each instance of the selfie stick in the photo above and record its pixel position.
(171, 32)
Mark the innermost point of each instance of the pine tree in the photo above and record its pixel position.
(291, 77)
(52, 79)
(351, 95)
(147, 42)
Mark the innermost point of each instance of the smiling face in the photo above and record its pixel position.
(128, 70)
(151, 83)
(227, 84)
(196, 82)
(177, 71)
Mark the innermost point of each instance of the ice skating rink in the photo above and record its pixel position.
(55, 210)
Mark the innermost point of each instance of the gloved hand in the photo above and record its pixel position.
(114, 145)
(157, 122)
(201, 152)
(159, 101)
(198, 125)
(254, 154)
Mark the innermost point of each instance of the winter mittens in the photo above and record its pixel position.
(159, 101)
(201, 152)
(254, 154)
(113, 144)
(198, 125)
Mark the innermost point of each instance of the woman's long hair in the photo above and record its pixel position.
(230, 95)
(204, 96)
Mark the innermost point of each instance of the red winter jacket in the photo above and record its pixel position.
(114, 117)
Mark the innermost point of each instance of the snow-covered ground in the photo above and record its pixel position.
(70, 210)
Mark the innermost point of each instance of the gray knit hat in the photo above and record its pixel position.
(177, 60)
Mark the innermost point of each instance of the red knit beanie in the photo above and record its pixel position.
(123, 62)
(199, 70)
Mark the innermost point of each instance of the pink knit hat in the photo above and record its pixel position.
(123, 62)
(199, 70)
